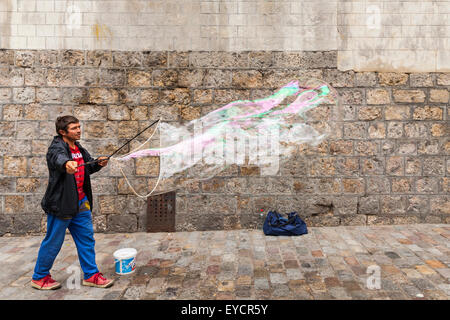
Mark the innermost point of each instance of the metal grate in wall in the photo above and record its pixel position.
(161, 212)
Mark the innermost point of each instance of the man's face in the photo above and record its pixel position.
(73, 132)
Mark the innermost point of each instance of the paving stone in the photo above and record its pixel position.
(339, 293)
(322, 296)
(246, 269)
(424, 269)
(359, 295)
(260, 273)
(318, 286)
(411, 290)
(445, 287)
(344, 275)
(243, 291)
(435, 295)
(113, 295)
(226, 276)
(134, 293)
(444, 272)
(244, 280)
(392, 255)
(435, 264)
(351, 285)
(396, 295)
(294, 274)
(320, 263)
(280, 290)
(423, 284)
(169, 293)
(263, 294)
(155, 285)
(302, 251)
(276, 267)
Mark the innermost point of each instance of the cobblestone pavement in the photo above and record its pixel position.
(327, 263)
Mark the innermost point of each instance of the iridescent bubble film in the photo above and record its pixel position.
(247, 132)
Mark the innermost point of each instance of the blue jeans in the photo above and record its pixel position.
(82, 232)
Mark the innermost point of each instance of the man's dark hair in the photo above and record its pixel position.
(61, 123)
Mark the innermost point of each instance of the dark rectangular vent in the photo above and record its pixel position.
(161, 212)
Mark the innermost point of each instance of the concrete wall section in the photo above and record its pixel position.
(169, 25)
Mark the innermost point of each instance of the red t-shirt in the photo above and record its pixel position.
(79, 175)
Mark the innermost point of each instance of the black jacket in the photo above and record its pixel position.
(61, 196)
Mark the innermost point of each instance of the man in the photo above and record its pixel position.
(68, 202)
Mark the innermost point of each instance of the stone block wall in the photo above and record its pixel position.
(390, 162)
(375, 35)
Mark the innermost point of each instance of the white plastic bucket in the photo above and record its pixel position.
(125, 260)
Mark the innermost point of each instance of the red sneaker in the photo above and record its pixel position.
(46, 283)
(98, 281)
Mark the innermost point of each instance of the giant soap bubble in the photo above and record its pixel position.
(258, 132)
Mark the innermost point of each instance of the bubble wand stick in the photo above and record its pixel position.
(107, 158)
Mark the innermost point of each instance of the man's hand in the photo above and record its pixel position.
(71, 167)
(101, 162)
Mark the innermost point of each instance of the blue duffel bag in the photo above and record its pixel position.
(277, 225)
